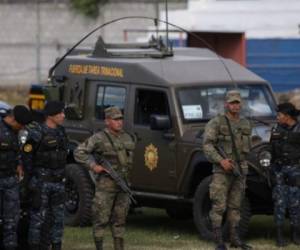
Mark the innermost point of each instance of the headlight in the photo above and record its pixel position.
(265, 158)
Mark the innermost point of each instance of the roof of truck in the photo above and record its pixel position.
(186, 66)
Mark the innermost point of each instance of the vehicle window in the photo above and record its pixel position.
(202, 103)
(109, 96)
(148, 102)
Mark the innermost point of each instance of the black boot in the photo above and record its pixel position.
(99, 244)
(119, 243)
(236, 240)
(280, 240)
(296, 235)
(218, 237)
(56, 246)
(34, 246)
(10, 248)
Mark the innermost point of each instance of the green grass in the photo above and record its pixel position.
(153, 229)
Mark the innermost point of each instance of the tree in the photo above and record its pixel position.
(89, 8)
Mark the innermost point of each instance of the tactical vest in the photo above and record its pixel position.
(8, 148)
(286, 144)
(242, 136)
(119, 152)
(51, 152)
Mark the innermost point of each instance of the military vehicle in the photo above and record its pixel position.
(167, 96)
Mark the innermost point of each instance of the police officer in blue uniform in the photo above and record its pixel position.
(45, 155)
(285, 140)
(11, 171)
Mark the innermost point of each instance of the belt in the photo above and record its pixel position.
(52, 178)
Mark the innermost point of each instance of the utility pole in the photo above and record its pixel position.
(38, 42)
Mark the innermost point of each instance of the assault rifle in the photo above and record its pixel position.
(114, 175)
(236, 168)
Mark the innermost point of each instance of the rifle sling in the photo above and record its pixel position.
(112, 143)
(238, 159)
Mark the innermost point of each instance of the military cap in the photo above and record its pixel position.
(22, 114)
(113, 113)
(54, 108)
(288, 109)
(233, 96)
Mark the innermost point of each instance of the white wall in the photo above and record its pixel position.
(258, 18)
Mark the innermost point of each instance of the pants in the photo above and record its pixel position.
(286, 197)
(226, 192)
(51, 197)
(10, 208)
(110, 206)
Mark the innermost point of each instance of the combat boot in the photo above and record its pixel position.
(34, 246)
(56, 246)
(296, 235)
(10, 248)
(99, 244)
(236, 240)
(119, 243)
(280, 240)
(218, 237)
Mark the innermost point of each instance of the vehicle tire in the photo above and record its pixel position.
(202, 206)
(179, 213)
(79, 196)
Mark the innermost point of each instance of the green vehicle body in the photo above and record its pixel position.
(170, 170)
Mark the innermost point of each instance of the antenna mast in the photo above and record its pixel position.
(167, 24)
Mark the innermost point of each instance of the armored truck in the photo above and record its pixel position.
(167, 97)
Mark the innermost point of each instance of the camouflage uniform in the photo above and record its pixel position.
(111, 204)
(9, 186)
(285, 194)
(226, 190)
(44, 157)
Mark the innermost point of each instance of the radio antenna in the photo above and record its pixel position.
(167, 24)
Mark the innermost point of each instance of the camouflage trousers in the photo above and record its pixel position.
(10, 208)
(110, 206)
(286, 197)
(50, 199)
(226, 192)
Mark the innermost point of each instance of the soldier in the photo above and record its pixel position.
(111, 203)
(286, 170)
(45, 155)
(11, 170)
(226, 143)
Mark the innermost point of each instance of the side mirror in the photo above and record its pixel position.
(72, 112)
(160, 122)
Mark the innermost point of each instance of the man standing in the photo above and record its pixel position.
(45, 155)
(226, 143)
(111, 203)
(285, 140)
(10, 171)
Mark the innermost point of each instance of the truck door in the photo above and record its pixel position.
(106, 95)
(154, 159)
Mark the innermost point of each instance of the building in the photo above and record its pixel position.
(272, 29)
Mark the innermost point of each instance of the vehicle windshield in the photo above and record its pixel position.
(205, 102)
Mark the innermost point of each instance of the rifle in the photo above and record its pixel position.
(115, 176)
(236, 172)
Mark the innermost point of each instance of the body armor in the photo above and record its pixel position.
(8, 149)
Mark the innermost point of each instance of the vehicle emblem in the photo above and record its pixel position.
(151, 157)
